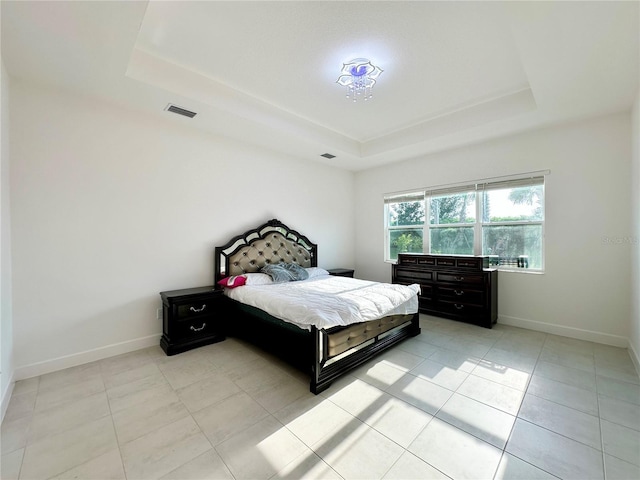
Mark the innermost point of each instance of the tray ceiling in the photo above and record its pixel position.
(265, 72)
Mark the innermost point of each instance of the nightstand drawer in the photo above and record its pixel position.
(193, 309)
(203, 326)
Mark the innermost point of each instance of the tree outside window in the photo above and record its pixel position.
(504, 220)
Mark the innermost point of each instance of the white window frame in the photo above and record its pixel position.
(399, 198)
(477, 187)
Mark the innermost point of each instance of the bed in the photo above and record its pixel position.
(325, 348)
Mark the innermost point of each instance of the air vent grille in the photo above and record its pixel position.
(327, 155)
(180, 111)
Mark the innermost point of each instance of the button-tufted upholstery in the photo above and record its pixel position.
(274, 248)
(358, 333)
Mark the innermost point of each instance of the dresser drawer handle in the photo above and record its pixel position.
(198, 310)
(459, 307)
(198, 329)
(459, 292)
(459, 279)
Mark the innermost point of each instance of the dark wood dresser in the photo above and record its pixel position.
(191, 318)
(460, 287)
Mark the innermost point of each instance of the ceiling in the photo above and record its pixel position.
(265, 72)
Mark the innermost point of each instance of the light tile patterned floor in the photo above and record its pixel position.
(458, 402)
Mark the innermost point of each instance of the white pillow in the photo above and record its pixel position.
(316, 272)
(258, 279)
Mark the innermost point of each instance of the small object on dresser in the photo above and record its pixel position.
(191, 318)
(341, 272)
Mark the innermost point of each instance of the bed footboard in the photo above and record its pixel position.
(333, 358)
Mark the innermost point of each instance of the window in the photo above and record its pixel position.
(512, 223)
(501, 219)
(405, 224)
(451, 222)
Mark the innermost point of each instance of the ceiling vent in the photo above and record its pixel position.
(180, 111)
(327, 155)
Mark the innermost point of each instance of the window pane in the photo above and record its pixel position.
(460, 208)
(509, 242)
(513, 204)
(406, 213)
(404, 241)
(452, 240)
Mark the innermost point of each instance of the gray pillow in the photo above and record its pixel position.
(296, 271)
(285, 272)
(278, 273)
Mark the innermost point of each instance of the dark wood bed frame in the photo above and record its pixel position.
(274, 242)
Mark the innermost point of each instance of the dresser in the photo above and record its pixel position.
(191, 318)
(460, 287)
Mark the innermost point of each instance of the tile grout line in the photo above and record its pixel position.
(115, 432)
(517, 416)
(213, 447)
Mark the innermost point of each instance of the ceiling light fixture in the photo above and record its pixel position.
(359, 76)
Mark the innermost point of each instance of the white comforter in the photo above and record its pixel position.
(328, 301)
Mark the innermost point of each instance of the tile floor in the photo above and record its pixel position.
(458, 401)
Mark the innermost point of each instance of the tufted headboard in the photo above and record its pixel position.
(272, 242)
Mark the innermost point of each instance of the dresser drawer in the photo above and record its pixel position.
(467, 278)
(446, 262)
(474, 263)
(406, 275)
(462, 309)
(461, 294)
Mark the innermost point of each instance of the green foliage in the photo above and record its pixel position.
(504, 241)
(403, 241)
(406, 213)
(451, 209)
(453, 241)
(521, 218)
(407, 242)
(513, 241)
(528, 196)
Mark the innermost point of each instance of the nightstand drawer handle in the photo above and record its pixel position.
(198, 329)
(198, 310)
(459, 292)
(459, 307)
(459, 279)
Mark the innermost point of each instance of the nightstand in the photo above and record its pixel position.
(191, 318)
(341, 272)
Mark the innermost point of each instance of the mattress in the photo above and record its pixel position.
(329, 301)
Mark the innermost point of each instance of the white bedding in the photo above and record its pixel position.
(327, 301)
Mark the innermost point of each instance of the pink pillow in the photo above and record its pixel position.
(233, 281)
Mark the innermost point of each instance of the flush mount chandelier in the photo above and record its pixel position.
(359, 76)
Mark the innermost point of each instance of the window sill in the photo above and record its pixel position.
(521, 270)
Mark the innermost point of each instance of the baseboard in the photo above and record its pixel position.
(634, 357)
(578, 333)
(6, 396)
(60, 363)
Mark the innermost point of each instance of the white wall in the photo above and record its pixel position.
(110, 207)
(585, 290)
(634, 334)
(6, 321)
